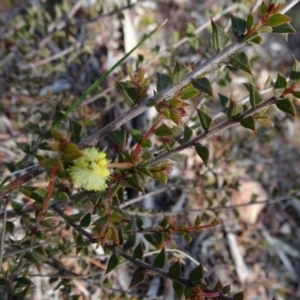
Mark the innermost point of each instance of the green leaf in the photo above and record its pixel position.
(197, 221)
(136, 135)
(178, 289)
(263, 8)
(249, 22)
(112, 263)
(234, 109)
(295, 73)
(138, 277)
(219, 37)
(240, 61)
(163, 81)
(160, 259)
(249, 37)
(118, 137)
(225, 101)
(77, 131)
(180, 71)
(187, 133)
(205, 119)
(280, 82)
(24, 147)
(188, 93)
(197, 273)
(138, 251)
(86, 220)
(130, 242)
(239, 296)
(37, 194)
(112, 235)
(296, 94)
(71, 152)
(105, 75)
(175, 269)
(17, 207)
(239, 26)
(23, 281)
(61, 197)
(194, 41)
(164, 130)
(57, 135)
(280, 86)
(277, 19)
(287, 106)
(226, 289)
(257, 40)
(284, 28)
(10, 226)
(218, 286)
(203, 85)
(248, 123)
(146, 143)
(139, 222)
(255, 97)
(265, 29)
(203, 152)
(128, 92)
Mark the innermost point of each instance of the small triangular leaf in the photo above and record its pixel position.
(284, 28)
(239, 26)
(160, 259)
(287, 106)
(203, 152)
(205, 119)
(234, 109)
(219, 37)
(118, 137)
(203, 85)
(163, 81)
(295, 72)
(248, 123)
(128, 92)
(77, 131)
(187, 133)
(178, 289)
(239, 296)
(240, 61)
(175, 269)
(130, 242)
(163, 130)
(138, 251)
(180, 71)
(138, 277)
(278, 19)
(197, 273)
(136, 135)
(112, 263)
(255, 97)
(86, 220)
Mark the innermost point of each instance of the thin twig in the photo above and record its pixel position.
(3, 231)
(118, 251)
(213, 131)
(167, 93)
(220, 207)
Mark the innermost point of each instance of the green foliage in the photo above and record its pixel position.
(59, 218)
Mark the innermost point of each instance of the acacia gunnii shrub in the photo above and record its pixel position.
(83, 204)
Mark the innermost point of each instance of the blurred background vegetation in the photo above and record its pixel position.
(52, 51)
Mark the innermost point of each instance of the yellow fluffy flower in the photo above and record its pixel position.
(90, 171)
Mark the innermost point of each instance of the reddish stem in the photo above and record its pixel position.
(50, 189)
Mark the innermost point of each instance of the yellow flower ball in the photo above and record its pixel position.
(90, 171)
